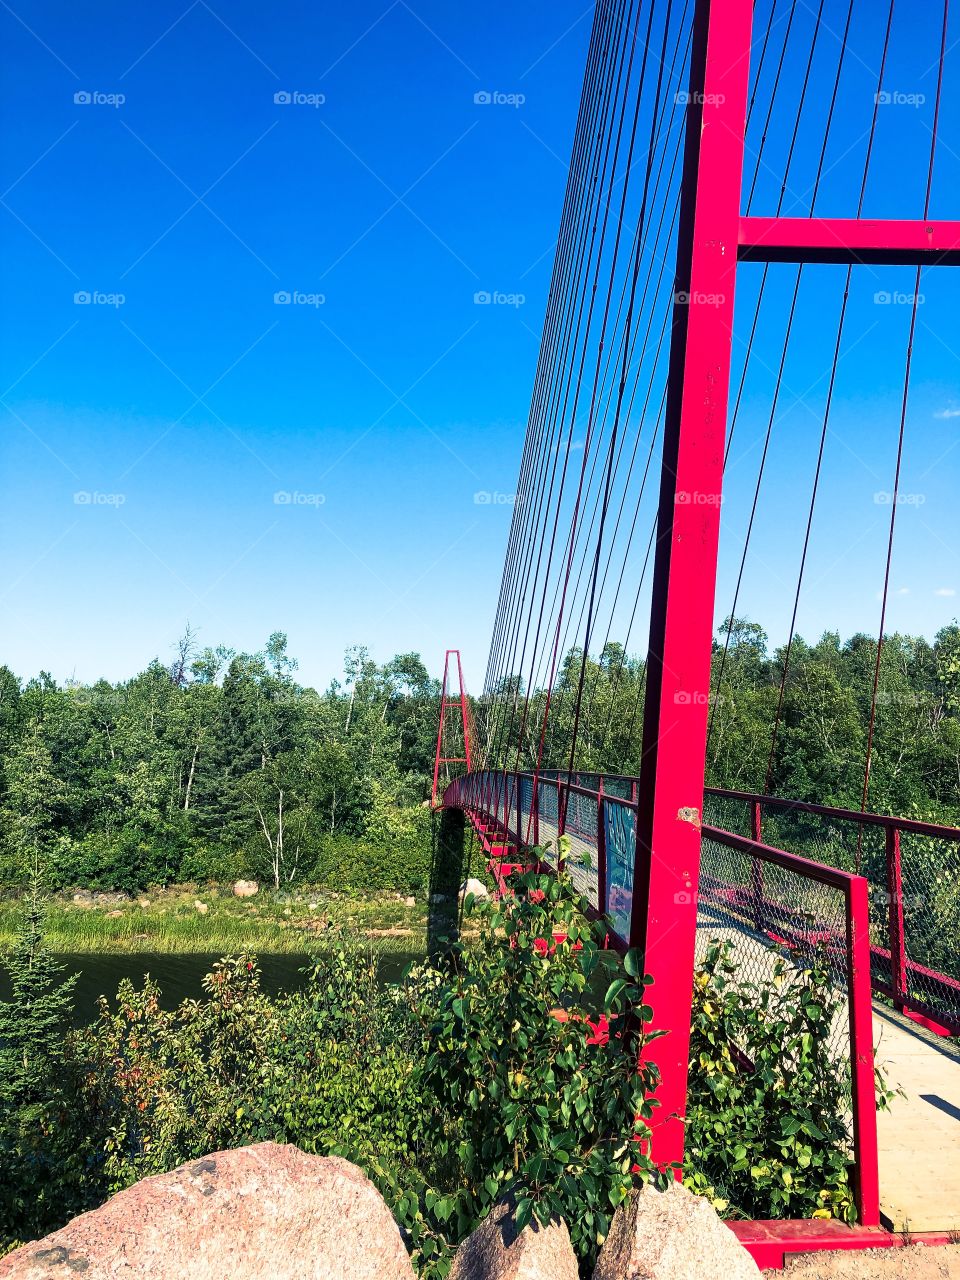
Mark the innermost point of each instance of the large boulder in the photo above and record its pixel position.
(266, 1212)
(671, 1235)
(497, 1251)
(246, 889)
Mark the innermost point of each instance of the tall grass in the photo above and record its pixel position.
(172, 924)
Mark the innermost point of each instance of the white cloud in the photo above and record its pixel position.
(945, 591)
(947, 413)
(903, 591)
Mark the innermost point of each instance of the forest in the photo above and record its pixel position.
(220, 764)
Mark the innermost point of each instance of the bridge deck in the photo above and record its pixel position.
(919, 1138)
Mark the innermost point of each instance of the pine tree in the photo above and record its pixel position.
(41, 1163)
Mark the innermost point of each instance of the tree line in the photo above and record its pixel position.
(216, 765)
(221, 764)
(819, 750)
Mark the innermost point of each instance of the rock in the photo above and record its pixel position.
(266, 1212)
(84, 897)
(496, 1252)
(476, 887)
(114, 915)
(671, 1235)
(312, 906)
(410, 901)
(143, 902)
(246, 888)
(201, 907)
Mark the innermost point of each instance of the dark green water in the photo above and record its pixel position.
(179, 976)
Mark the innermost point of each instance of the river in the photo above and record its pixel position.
(178, 976)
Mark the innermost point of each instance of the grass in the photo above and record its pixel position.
(169, 921)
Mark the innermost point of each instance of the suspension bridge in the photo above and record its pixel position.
(738, 192)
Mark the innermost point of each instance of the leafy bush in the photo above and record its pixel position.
(172, 1085)
(768, 1103)
(530, 1057)
(395, 856)
(339, 1079)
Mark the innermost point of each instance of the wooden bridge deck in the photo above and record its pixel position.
(919, 1137)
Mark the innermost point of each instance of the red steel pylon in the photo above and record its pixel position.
(463, 739)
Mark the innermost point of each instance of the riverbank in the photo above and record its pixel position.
(192, 919)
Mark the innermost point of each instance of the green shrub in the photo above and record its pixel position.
(768, 1102)
(397, 859)
(531, 1094)
(339, 1078)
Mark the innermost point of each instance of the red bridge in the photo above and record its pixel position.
(709, 137)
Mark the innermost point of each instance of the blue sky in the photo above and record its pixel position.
(147, 433)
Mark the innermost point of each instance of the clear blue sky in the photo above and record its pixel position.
(181, 412)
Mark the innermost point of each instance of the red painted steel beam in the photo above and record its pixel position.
(849, 240)
(670, 790)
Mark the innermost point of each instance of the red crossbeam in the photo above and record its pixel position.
(849, 240)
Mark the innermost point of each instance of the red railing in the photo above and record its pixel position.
(905, 924)
(758, 897)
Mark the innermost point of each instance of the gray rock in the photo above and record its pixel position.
(476, 887)
(265, 1212)
(495, 1251)
(245, 889)
(671, 1235)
